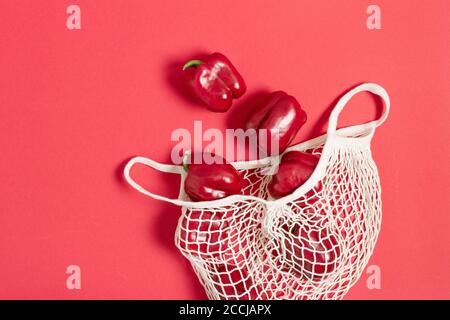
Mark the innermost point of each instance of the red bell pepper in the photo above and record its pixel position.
(202, 233)
(212, 234)
(282, 116)
(214, 181)
(235, 283)
(310, 252)
(214, 81)
(294, 169)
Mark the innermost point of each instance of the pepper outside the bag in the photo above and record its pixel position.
(214, 81)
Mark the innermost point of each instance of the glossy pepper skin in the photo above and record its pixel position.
(313, 253)
(235, 283)
(282, 116)
(214, 81)
(205, 182)
(294, 169)
(202, 233)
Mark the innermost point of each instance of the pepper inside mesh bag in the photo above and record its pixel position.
(311, 244)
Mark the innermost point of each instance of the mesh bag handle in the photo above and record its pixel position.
(370, 87)
(318, 173)
(157, 166)
(333, 132)
(177, 170)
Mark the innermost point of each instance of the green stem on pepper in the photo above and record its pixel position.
(192, 64)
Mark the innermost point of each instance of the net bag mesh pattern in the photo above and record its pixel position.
(312, 244)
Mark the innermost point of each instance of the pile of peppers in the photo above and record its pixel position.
(216, 83)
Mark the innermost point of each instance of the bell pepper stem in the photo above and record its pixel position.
(192, 64)
(186, 156)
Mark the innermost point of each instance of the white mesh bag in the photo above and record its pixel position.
(311, 244)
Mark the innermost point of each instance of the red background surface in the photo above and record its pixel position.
(74, 105)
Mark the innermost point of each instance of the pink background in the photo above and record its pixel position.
(74, 105)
